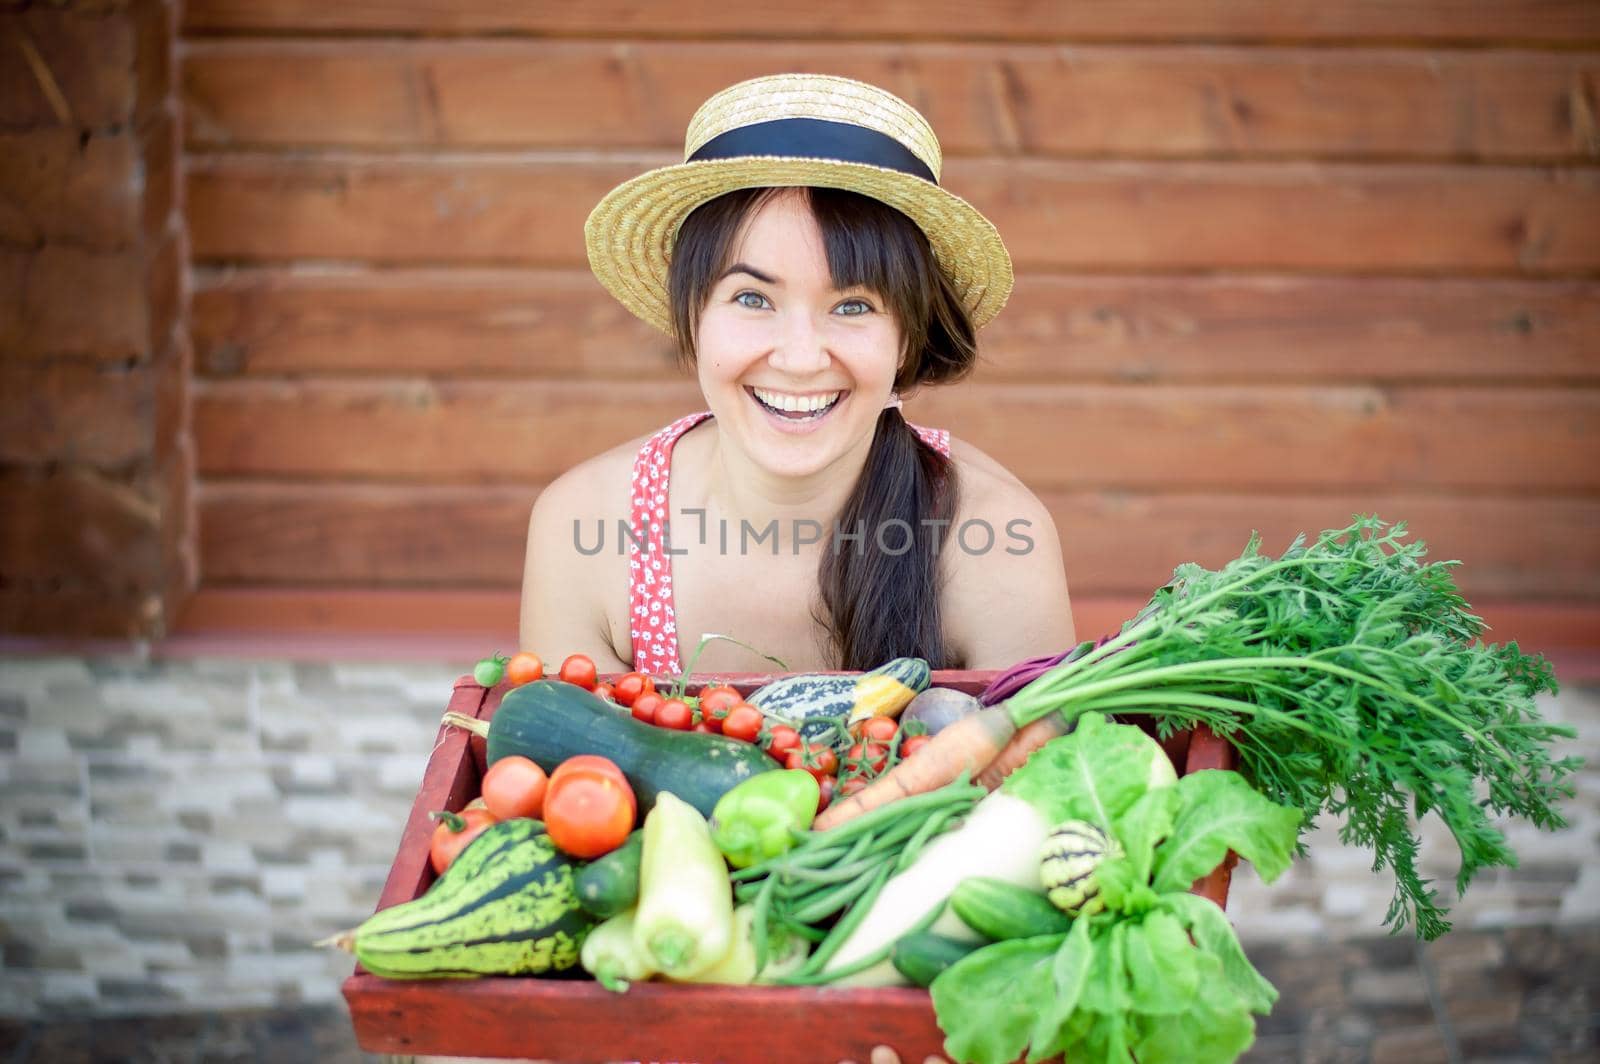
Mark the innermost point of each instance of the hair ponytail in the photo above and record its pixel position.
(880, 570)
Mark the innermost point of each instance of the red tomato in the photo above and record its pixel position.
(876, 729)
(871, 757)
(816, 759)
(605, 692)
(630, 685)
(913, 744)
(587, 763)
(781, 740)
(674, 713)
(455, 830)
(524, 668)
(827, 785)
(645, 706)
(743, 722)
(851, 785)
(720, 697)
(703, 728)
(588, 812)
(514, 786)
(578, 669)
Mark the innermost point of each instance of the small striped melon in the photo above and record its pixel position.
(1067, 864)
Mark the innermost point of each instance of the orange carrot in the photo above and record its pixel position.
(1021, 746)
(968, 745)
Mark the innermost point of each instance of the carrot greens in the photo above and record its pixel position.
(1349, 675)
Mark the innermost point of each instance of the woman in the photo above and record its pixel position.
(811, 271)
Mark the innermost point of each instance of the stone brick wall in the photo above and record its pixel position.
(96, 457)
(175, 834)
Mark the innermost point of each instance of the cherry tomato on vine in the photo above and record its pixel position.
(630, 685)
(716, 701)
(490, 671)
(914, 743)
(645, 706)
(743, 722)
(605, 691)
(876, 729)
(674, 713)
(815, 758)
(524, 668)
(578, 669)
(827, 785)
(869, 757)
(514, 786)
(454, 832)
(780, 740)
(851, 784)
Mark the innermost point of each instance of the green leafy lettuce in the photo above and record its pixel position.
(1159, 975)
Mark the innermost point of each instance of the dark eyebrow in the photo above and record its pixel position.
(741, 267)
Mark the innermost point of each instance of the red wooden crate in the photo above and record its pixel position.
(578, 1020)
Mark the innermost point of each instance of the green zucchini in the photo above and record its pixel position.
(997, 909)
(609, 885)
(506, 906)
(808, 700)
(921, 956)
(550, 721)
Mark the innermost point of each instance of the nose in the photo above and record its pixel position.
(801, 348)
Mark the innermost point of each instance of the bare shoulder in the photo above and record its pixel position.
(1005, 595)
(573, 568)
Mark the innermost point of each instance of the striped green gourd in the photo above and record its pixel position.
(1067, 864)
(806, 699)
(506, 906)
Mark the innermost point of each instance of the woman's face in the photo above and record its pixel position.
(775, 331)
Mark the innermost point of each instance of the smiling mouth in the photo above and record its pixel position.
(796, 415)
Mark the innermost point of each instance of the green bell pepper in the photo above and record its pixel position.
(756, 820)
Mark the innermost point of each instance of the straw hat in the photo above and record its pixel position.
(788, 130)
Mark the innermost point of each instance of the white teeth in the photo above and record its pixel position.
(779, 401)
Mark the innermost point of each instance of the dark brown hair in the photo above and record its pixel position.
(880, 595)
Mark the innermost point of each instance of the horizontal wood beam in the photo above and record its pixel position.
(1554, 22)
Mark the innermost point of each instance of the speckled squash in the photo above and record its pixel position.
(505, 906)
(804, 700)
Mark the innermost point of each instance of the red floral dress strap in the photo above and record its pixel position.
(651, 621)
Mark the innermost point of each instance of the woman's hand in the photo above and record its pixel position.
(887, 1055)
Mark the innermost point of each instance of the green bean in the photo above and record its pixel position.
(952, 792)
(758, 925)
(805, 931)
(847, 924)
(930, 827)
(836, 874)
(830, 901)
(817, 977)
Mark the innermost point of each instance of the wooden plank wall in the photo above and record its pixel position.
(1279, 261)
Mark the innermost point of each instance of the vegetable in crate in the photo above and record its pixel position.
(1347, 674)
(589, 809)
(684, 923)
(758, 819)
(1157, 976)
(455, 833)
(810, 702)
(609, 885)
(1002, 839)
(550, 721)
(506, 906)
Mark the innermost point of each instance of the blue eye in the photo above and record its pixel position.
(866, 308)
(761, 300)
